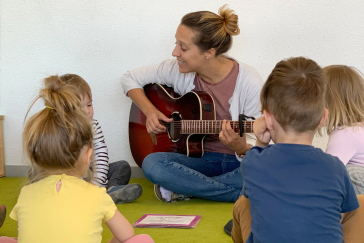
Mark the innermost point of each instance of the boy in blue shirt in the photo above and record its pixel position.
(292, 192)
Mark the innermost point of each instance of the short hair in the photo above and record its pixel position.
(295, 94)
(212, 30)
(344, 97)
(77, 81)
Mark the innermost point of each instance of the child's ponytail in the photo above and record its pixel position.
(53, 137)
(59, 97)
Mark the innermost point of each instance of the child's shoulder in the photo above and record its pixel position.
(95, 122)
(283, 149)
(297, 152)
(91, 190)
(348, 131)
(95, 188)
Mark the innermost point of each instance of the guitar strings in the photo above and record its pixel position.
(169, 125)
(202, 121)
(217, 126)
(202, 124)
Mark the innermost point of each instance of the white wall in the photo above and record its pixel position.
(100, 40)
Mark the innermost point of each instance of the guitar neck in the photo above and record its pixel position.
(210, 126)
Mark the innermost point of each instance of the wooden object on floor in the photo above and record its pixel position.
(2, 157)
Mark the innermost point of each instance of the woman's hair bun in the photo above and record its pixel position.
(230, 20)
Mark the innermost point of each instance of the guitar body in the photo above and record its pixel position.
(191, 106)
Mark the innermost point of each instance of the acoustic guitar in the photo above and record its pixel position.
(194, 117)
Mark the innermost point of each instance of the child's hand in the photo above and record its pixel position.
(261, 132)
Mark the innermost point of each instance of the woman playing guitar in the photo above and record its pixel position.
(202, 38)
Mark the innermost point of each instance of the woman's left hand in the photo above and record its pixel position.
(232, 139)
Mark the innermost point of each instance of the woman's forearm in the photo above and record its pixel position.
(141, 100)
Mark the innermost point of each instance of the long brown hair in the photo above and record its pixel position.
(212, 30)
(54, 137)
(344, 97)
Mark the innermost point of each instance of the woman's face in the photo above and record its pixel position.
(189, 56)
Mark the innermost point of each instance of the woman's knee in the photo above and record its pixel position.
(152, 166)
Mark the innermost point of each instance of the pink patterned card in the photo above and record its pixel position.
(167, 221)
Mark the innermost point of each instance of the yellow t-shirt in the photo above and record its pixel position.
(74, 214)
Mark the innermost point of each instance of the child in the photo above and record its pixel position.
(345, 124)
(114, 176)
(292, 191)
(61, 207)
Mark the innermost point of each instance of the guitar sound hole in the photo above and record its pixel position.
(174, 128)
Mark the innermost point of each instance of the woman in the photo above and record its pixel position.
(202, 38)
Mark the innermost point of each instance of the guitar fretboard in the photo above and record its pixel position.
(208, 126)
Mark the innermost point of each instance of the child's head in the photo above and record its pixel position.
(58, 137)
(83, 89)
(294, 94)
(344, 96)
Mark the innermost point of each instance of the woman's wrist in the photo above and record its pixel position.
(241, 154)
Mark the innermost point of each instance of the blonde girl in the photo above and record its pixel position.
(60, 206)
(345, 124)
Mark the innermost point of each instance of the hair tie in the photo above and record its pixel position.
(49, 107)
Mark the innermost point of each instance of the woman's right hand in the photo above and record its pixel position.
(154, 116)
(153, 121)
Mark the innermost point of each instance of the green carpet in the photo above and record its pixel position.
(210, 229)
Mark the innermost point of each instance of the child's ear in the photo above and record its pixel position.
(269, 118)
(88, 154)
(324, 118)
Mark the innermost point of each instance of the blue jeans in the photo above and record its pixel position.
(215, 176)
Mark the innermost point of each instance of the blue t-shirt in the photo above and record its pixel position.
(296, 193)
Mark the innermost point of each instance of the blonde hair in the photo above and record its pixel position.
(295, 94)
(344, 97)
(54, 137)
(212, 30)
(81, 85)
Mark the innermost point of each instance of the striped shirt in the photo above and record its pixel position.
(101, 156)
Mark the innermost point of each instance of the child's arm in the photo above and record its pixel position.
(261, 132)
(120, 228)
(101, 156)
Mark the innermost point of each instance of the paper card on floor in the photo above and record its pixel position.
(167, 221)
